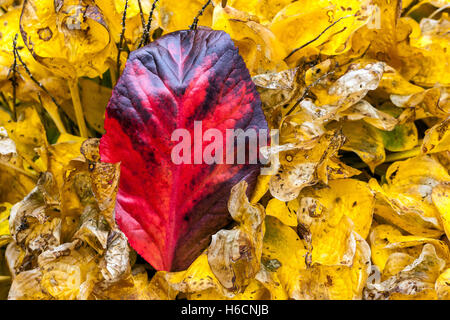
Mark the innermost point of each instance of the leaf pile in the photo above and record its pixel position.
(357, 206)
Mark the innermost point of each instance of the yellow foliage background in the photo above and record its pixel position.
(357, 206)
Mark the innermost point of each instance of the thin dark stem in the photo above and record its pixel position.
(40, 85)
(146, 34)
(307, 89)
(122, 35)
(193, 26)
(141, 13)
(316, 38)
(14, 78)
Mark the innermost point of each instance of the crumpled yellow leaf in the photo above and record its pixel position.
(394, 83)
(437, 138)
(338, 88)
(261, 188)
(94, 229)
(20, 181)
(260, 49)
(5, 235)
(28, 134)
(337, 282)
(32, 225)
(329, 236)
(406, 201)
(264, 10)
(69, 37)
(234, 255)
(434, 43)
(334, 24)
(71, 275)
(364, 110)
(386, 240)
(60, 231)
(133, 287)
(59, 155)
(280, 210)
(299, 166)
(284, 253)
(104, 179)
(197, 278)
(26, 89)
(365, 140)
(442, 285)
(403, 137)
(26, 286)
(441, 199)
(349, 197)
(428, 103)
(415, 281)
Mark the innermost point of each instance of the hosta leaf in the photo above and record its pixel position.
(69, 37)
(169, 211)
(234, 255)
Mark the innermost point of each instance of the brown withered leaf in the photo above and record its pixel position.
(234, 255)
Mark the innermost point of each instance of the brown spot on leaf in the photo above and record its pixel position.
(45, 34)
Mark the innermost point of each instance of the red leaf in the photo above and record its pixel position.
(168, 211)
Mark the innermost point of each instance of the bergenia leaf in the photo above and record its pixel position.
(169, 211)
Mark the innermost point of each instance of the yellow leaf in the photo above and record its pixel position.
(337, 282)
(415, 281)
(5, 235)
(258, 46)
(299, 166)
(334, 24)
(28, 133)
(71, 38)
(442, 285)
(71, 275)
(365, 140)
(348, 197)
(27, 286)
(278, 209)
(265, 10)
(386, 240)
(262, 185)
(234, 255)
(434, 43)
(94, 99)
(172, 20)
(364, 110)
(441, 199)
(284, 253)
(437, 138)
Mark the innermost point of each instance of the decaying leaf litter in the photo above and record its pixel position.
(357, 208)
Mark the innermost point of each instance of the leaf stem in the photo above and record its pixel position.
(14, 78)
(75, 93)
(146, 34)
(403, 155)
(141, 14)
(53, 112)
(112, 72)
(122, 35)
(26, 173)
(193, 26)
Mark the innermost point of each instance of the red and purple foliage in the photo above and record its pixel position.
(168, 211)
